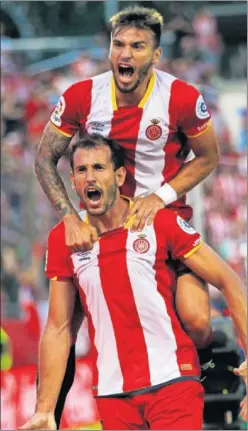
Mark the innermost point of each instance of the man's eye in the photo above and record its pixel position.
(81, 169)
(99, 167)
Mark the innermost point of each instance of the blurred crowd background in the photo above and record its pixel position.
(46, 46)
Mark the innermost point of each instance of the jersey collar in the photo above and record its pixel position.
(144, 98)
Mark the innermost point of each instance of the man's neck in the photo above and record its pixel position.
(114, 218)
(133, 98)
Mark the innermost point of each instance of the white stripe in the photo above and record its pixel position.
(101, 110)
(149, 155)
(110, 379)
(157, 328)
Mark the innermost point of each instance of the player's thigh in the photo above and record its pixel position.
(119, 413)
(192, 299)
(176, 407)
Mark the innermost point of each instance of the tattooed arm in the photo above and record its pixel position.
(52, 146)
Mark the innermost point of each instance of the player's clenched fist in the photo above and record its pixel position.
(79, 236)
(40, 421)
(145, 210)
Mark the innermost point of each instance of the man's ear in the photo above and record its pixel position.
(157, 55)
(72, 181)
(121, 176)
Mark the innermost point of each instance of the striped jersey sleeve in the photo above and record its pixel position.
(193, 114)
(58, 261)
(71, 108)
(181, 239)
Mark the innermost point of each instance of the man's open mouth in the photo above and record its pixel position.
(125, 70)
(93, 194)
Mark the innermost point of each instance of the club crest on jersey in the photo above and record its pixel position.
(153, 131)
(185, 226)
(58, 111)
(141, 245)
(201, 109)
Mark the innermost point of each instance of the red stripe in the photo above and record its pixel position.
(186, 352)
(125, 129)
(117, 290)
(91, 329)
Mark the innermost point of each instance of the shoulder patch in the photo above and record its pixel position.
(185, 226)
(58, 111)
(201, 109)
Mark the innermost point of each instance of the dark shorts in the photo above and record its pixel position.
(178, 267)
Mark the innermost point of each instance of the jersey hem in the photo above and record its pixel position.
(61, 131)
(192, 251)
(150, 388)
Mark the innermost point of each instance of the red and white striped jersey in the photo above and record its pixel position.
(154, 133)
(127, 294)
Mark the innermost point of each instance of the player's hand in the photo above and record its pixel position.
(242, 372)
(145, 210)
(40, 421)
(79, 236)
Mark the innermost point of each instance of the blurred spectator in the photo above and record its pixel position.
(179, 26)
(84, 67)
(243, 137)
(10, 285)
(207, 37)
(211, 98)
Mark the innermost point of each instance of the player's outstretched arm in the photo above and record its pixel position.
(214, 270)
(52, 146)
(54, 350)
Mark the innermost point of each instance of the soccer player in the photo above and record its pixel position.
(157, 119)
(145, 367)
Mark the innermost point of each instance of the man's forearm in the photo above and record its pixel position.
(191, 174)
(55, 346)
(53, 145)
(233, 291)
(214, 270)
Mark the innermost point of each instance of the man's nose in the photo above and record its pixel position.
(90, 176)
(126, 52)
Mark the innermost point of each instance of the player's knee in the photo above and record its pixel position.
(197, 321)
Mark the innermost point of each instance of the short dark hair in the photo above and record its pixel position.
(95, 140)
(140, 17)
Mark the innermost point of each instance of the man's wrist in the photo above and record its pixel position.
(43, 409)
(167, 194)
(71, 216)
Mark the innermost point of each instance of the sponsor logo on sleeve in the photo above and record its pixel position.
(197, 242)
(201, 109)
(203, 127)
(185, 226)
(58, 111)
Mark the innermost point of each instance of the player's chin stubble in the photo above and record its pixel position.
(142, 73)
